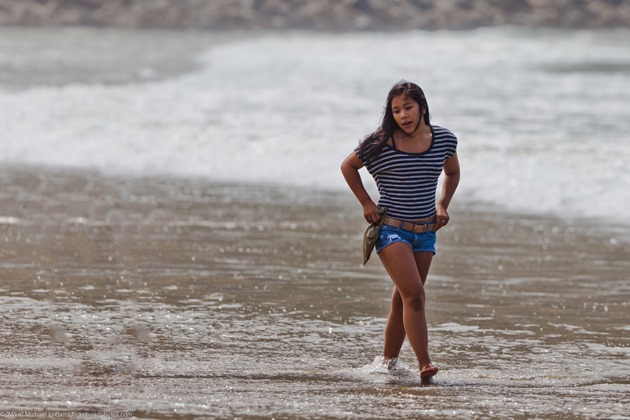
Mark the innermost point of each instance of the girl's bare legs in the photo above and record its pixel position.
(408, 271)
(395, 329)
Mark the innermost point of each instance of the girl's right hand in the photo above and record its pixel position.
(370, 212)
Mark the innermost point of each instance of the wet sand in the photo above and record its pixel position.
(186, 298)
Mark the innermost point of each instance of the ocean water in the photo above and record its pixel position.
(541, 115)
(176, 240)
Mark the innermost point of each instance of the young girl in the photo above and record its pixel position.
(406, 155)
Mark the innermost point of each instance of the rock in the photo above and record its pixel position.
(327, 15)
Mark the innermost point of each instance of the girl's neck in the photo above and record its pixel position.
(421, 132)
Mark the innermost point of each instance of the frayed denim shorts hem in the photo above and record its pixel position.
(419, 242)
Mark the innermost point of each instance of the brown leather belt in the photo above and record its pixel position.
(414, 227)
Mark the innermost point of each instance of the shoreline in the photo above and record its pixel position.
(595, 225)
(129, 227)
(89, 198)
(57, 201)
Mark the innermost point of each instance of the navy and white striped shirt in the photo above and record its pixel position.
(407, 182)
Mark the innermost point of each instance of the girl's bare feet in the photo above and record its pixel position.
(427, 372)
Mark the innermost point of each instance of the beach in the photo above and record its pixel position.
(177, 241)
(180, 297)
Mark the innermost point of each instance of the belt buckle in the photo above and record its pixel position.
(419, 228)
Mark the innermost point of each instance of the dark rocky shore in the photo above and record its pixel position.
(325, 15)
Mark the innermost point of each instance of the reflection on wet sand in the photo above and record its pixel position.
(165, 297)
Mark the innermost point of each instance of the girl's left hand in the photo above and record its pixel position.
(441, 218)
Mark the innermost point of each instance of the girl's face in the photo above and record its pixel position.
(407, 113)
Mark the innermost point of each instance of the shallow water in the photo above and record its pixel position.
(183, 297)
(179, 297)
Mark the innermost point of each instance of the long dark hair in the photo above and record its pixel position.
(373, 143)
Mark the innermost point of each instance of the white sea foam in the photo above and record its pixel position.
(541, 116)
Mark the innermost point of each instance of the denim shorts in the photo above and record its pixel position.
(419, 242)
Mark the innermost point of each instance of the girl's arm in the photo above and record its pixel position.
(451, 179)
(350, 170)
